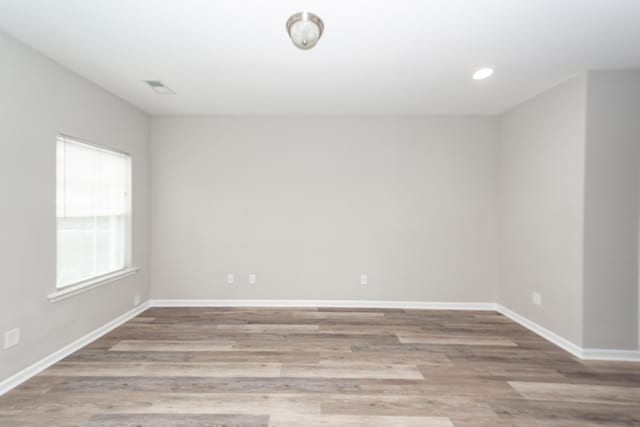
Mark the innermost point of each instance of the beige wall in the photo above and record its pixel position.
(612, 210)
(542, 151)
(39, 100)
(308, 204)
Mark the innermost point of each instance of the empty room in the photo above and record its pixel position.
(320, 213)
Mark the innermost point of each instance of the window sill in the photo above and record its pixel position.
(77, 288)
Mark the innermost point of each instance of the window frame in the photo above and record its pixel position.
(69, 289)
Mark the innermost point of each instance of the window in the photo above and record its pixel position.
(93, 210)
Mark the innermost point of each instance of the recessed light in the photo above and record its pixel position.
(482, 73)
(159, 87)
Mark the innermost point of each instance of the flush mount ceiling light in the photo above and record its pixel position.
(482, 73)
(305, 29)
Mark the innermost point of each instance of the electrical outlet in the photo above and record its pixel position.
(364, 279)
(537, 298)
(252, 279)
(11, 338)
(230, 279)
(136, 300)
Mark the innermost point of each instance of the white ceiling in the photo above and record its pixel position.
(376, 56)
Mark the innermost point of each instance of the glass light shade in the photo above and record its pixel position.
(305, 29)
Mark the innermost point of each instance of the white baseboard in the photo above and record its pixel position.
(611, 355)
(568, 346)
(408, 305)
(545, 333)
(22, 376)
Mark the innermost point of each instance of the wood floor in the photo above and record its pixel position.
(325, 367)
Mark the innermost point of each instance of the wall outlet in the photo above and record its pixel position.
(11, 338)
(136, 300)
(252, 279)
(537, 298)
(230, 279)
(364, 279)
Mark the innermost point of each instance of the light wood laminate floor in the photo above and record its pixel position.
(324, 367)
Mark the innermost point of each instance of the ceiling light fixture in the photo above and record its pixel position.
(305, 29)
(482, 73)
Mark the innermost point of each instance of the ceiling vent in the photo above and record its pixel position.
(159, 87)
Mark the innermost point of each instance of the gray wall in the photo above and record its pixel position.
(39, 100)
(308, 204)
(570, 208)
(542, 151)
(611, 210)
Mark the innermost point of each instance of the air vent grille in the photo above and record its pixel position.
(159, 87)
(155, 83)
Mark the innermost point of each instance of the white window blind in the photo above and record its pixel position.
(93, 211)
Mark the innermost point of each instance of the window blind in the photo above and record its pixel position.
(93, 210)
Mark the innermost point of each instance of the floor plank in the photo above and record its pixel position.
(585, 393)
(351, 370)
(178, 420)
(357, 421)
(180, 346)
(120, 369)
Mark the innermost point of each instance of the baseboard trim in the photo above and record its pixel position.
(545, 333)
(408, 305)
(30, 371)
(575, 350)
(611, 355)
